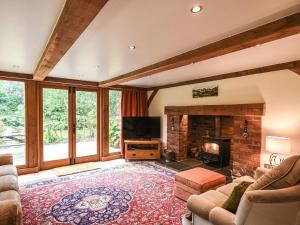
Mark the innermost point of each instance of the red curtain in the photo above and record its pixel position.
(133, 103)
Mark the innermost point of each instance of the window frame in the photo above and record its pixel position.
(25, 117)
(119, 152)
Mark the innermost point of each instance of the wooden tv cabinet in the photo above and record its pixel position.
(142, 149)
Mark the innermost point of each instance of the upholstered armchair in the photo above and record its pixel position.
(273, 199)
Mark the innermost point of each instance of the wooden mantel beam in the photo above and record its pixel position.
(74, 19)
(278, 29)
(256, 109)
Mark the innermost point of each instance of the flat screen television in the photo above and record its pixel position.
(141, 127)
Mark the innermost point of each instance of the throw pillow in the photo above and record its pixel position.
(232, 203)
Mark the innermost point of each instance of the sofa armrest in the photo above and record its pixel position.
(199, 206)
(10, 213)
(260, 171)
(6, 159)
(265, 213)
(290, 194)
(220, 216)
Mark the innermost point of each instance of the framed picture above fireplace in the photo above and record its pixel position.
(206, 91)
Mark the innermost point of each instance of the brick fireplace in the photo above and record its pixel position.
(187, 125)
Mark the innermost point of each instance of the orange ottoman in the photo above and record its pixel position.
(196, 181)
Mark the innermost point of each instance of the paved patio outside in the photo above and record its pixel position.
(55, 151)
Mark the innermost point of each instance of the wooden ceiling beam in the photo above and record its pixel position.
(296, 69)
(278, 29)
(18, 76)
(122, 87)
(282, 66)
(70, 81)
(152, 97)
(57, 80)
(74, 19)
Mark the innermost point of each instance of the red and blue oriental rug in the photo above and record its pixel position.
(131, 193)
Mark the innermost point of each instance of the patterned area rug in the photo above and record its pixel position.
(132, 193)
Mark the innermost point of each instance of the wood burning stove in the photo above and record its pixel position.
(216, 151)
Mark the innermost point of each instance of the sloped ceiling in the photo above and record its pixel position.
(25, 27)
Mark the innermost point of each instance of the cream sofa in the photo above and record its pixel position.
(273, 199)
(10, 204)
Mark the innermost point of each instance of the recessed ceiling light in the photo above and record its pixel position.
(196, 9)
(257, 45)
(131, 47)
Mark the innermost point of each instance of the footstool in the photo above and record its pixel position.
(196, 181)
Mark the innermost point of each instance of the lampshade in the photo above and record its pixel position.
(279, 145)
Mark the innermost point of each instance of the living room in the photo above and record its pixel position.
(150, 112)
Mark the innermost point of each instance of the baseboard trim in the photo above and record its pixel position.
(112, 157)
(22, 171)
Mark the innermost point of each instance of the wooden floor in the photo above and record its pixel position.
(48, 174)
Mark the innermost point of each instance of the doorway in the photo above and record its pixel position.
(69, 125)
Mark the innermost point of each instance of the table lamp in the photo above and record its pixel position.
(278, 146)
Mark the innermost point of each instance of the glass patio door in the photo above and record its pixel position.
(86, 133)
(69, 124)
(55, 115)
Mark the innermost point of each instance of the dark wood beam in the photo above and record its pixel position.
(296, 69)
(152, 97)
(57, 80)
(122, 87)
(289, 65)
(12, 75)
(70, 81)
(257, 109)
(74, 19)
(281, 28)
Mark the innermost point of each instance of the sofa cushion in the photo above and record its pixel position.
(8, 182)
(204, 203)
(10, 195)
(6, 159)
(284, 195)
(259, 172)
(285, 175)
(244, 178)
(233, 201)
(227, 189)
(8, 170)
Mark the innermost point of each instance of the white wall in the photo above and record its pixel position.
(280, 91)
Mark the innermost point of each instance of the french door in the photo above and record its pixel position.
(86, 135)
(69, 125)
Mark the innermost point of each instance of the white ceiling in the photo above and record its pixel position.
(160, 29)
(280, 51)
(25, 27)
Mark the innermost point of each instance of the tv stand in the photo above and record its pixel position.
(142, 149)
